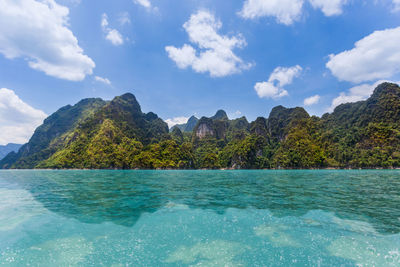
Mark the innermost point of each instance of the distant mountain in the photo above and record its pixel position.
(5, 149)
(188, 126)
(117, 134)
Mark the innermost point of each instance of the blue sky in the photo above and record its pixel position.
(185, 57)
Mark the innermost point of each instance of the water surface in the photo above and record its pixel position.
(200, 218)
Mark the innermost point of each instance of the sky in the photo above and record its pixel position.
(192, 57)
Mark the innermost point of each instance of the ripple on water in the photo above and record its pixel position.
(251, 218)
(16, 207)
(70, 251)
(277, 235)
(213, 253)
(367, 250)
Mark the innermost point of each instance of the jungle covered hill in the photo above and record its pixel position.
(98, 134)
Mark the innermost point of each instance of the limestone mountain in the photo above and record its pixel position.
(48, 137)
(117, 134)
(220, 127)
(188, 126)
(5, 149)
(90, 122)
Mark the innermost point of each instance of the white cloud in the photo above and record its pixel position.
(112, 35)
(285, 11)
(18, 120)
(312, 100)
(183, 57)
(288, 11)
(356, 93)
(280, 77)
(38, 32)
(102, 80)
(175, 121)
(330, 7)
(285, 76)
(144, 3)
(124, 18)
(269, 90)
(396, 4)
(215, 52)
(376, 56)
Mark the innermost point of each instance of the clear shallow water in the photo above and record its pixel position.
(200, 218)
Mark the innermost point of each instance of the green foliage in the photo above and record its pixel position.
(302, 147)
(47, 138)
(165, 155)
(116, 134)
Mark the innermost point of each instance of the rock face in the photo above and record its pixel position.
(204, 128)
(259, 127)
(220, 127)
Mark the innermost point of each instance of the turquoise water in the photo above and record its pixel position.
(200, 218)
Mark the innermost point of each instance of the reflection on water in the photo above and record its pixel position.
(200, 218)
(122, 196)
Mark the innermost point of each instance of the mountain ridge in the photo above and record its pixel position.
(102, 134)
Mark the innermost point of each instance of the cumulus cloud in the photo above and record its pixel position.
(376, 56)
(285, 11)
(329, 8)
(102, 80)
(18, 120)
(112, 35)
(312, 100)
(215, 51)
(288, 11)
(274, 87)
(175, 121)
(144, 3)
(38, 32)
(356, 93)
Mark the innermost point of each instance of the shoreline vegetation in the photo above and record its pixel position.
(204, 169)
(116, 134)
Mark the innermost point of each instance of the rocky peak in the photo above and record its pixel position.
(220, 115)
(126, 102)
(191, 123)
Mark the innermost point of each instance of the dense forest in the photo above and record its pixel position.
(101, 134)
